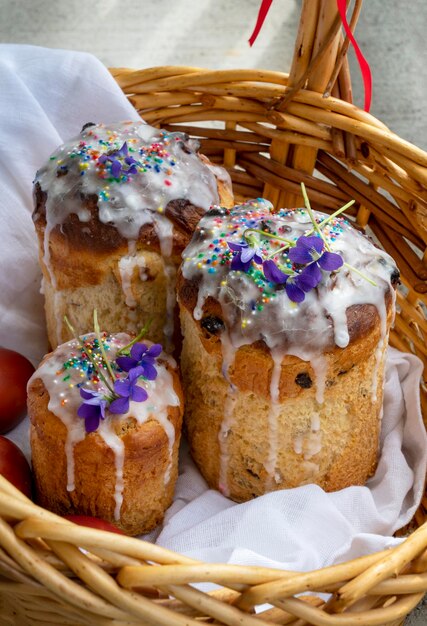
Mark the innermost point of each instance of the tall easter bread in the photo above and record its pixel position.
(285, 318)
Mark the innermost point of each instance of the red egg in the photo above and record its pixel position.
(15, 370)
(93, 522)
(14, 466)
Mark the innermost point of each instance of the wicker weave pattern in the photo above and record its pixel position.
(271, 135)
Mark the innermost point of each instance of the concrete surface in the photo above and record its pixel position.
(214, 33)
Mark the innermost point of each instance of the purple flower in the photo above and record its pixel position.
(93, 408)
(311, 250)
(245, 255)
(296, 285)
(141, 356)
(116, 158)
(128, 390)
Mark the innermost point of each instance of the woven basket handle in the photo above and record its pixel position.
(320, 55)
(320, 64)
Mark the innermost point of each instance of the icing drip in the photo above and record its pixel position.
(127, 265)
(271, 462)
(57, 315)
(114, 442)
(309, 444)
(63, 385)
(228, 353)
(168, 329)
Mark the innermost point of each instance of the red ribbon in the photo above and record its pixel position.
(342, 8)
(363, 64)
(262, 14)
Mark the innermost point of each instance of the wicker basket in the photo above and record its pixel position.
(274, 131)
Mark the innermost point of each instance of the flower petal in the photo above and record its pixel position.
(150, 372)
(122, 387)
(236, 247)
(91, 423)
(238, 266)
(273, 274)
(116, 168)
(87, 394)
(137, 351)
(293, 291)
(247, 254)
(87, 410)
(257, 258)
(330, 261)
(123, 150)
(307, 250)
(300, 256)
(155, 350)
(138, 394)
(309, 278)
(134, 374)
(126, 363)
(121, 405)
(311, 242)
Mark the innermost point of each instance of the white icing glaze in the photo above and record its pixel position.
(127, 265)
(167, 168)
(65, 399)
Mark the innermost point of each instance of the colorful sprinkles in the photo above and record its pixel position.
(235, 231)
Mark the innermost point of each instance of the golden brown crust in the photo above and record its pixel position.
(145, 496)
(333, 444)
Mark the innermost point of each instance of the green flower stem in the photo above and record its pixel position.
(101, 346)
(267, 234)
(95, 365)
(313, 219)
(338, 212)
(331, 217)
(279, 251)
(356, 271)
(139, 336)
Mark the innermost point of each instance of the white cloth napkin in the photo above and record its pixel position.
(47, 95)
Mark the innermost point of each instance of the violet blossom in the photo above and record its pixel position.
(308, 252)
(128, 390)
(116, 158)
(245, 255)
(311, 250)
(294, 290)
(143, 357)
(93, 408)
